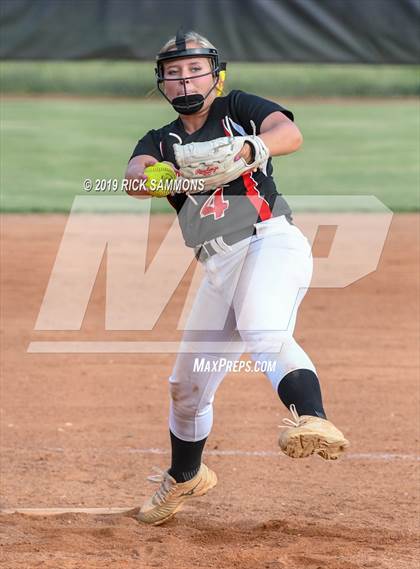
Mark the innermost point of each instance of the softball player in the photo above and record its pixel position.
(257, 263)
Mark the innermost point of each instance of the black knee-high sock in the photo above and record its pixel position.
(186, 458)
(302, 388)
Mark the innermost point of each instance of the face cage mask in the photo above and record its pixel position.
(188, 104)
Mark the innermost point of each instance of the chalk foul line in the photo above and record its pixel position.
(373, 456)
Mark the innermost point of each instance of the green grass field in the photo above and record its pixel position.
(136, 79)
(49, 146)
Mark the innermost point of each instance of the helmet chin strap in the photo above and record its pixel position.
(189, 104)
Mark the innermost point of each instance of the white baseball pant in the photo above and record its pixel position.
(247, 302)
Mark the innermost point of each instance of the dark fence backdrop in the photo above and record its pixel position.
(323, 31)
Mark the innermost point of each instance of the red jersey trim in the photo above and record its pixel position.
(254, 196)
(252, 192)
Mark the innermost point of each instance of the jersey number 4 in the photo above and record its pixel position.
(215, 205)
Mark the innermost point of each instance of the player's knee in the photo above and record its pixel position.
(187, 397)
(266, 341)
(180, 395)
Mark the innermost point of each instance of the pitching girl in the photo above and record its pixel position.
(257, 264)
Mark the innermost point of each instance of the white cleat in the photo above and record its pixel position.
(305, 435)
(171, 495)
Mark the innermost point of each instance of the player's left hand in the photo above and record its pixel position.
(245, 153)
(221, 160)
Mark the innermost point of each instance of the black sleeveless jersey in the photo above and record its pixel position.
(238, 205)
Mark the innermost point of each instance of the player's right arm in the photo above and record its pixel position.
(135, 173)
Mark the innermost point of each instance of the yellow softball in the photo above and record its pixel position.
(158, 179)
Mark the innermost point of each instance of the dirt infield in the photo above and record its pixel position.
(84, 430)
